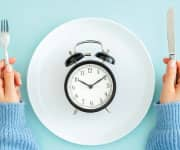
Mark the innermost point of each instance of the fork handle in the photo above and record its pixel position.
(6, 57)
(172, 56)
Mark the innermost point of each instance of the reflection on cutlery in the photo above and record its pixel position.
(171, 33)
(5, 38)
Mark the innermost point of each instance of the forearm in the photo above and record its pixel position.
(166, 134)
(13, 133)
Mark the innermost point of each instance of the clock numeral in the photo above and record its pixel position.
(98, 72)
(101, 101)
(73, 87)
(76, 96)
(82, 73)
(91, 103)
(76, 79)
(83, 101)
(108, 85)
(105, 78)
(106, 94)
(89, 70)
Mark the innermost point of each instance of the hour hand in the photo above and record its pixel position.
(88, 85)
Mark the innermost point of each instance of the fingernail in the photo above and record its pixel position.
(172, 63)
(9, 68)
(20, 82)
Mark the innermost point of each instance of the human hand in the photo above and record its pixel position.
(171, 82)
(10, 82)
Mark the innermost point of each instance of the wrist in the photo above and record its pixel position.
(12, 114)
(168, 115)
(10, 100)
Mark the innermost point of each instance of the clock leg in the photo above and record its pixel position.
(107, 110)
(75, 112)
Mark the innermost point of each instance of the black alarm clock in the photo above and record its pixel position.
(90, 85)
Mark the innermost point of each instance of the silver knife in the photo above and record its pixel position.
(171, 33)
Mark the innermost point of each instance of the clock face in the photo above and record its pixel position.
(90, 86)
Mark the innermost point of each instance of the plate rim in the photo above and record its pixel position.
(130, 32)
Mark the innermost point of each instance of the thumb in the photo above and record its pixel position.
(9, 86)
(171, 73)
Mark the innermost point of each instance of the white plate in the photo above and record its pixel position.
(133, 71)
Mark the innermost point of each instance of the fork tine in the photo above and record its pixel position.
(1, 25)
(4, 25)
(7, 26)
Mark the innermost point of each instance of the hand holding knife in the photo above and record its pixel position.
(171, 35)
(171, 79)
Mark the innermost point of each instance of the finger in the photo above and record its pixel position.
(17, 78)
(2, 64)
(1, 88)
(166, 60)
(178, 81)
(9, 85)
(11, 61)
(178, 67)
(164, 78)
(170, 74)
(18, 92)
(178, 75)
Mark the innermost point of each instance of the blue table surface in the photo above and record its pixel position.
(31, 20)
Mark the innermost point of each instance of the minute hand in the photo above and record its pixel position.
(98, 81)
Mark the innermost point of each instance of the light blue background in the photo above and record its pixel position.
(31, 20)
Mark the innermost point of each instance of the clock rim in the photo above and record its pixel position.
(96, 63)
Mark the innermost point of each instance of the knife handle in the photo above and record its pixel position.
(172, 56)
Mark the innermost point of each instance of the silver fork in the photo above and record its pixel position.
(5, 38)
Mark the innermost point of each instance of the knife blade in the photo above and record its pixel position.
(171, 33)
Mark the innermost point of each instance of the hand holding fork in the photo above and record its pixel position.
(5, 39)
(10, 79)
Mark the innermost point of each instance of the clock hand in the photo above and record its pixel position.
(98, 81)
(89, 86)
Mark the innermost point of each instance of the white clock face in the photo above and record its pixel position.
(90, 86)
